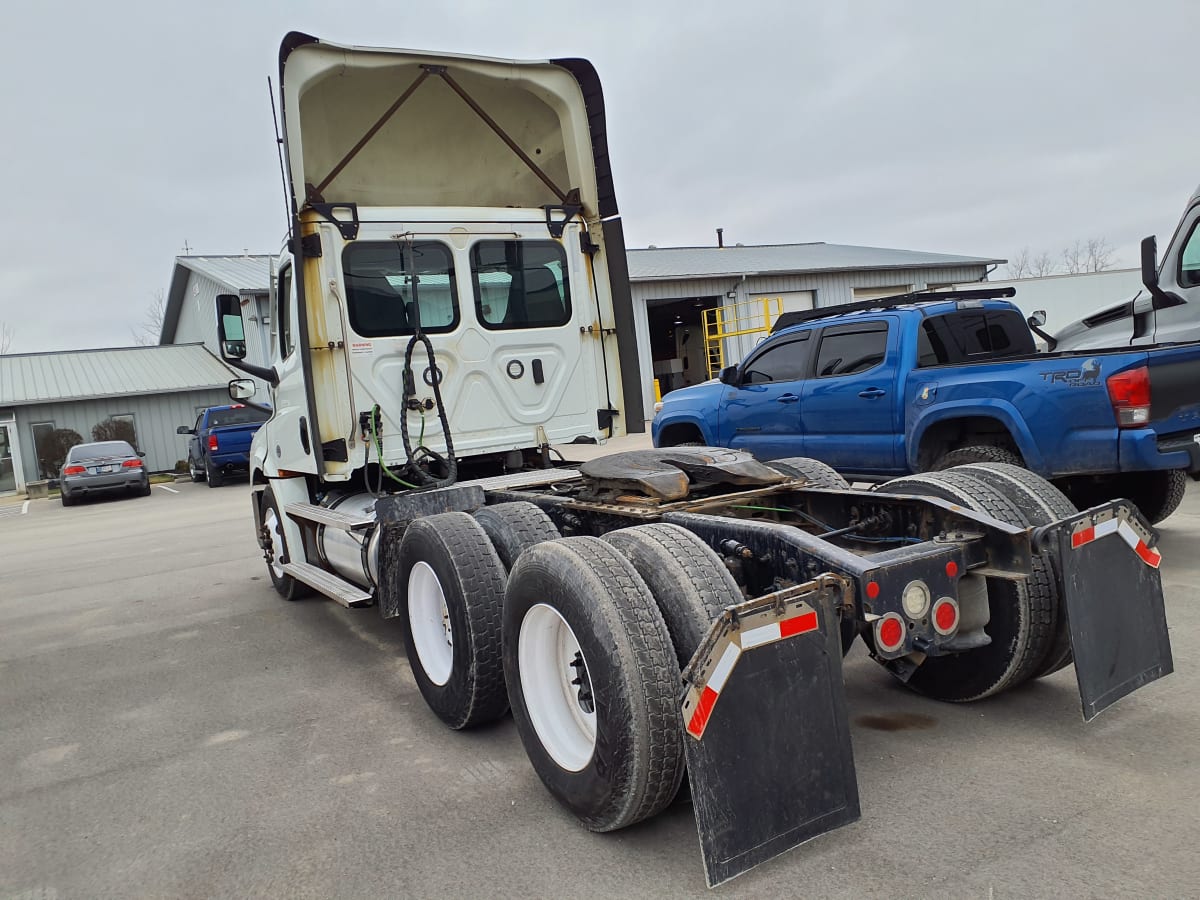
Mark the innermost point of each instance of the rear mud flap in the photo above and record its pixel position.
(768, 742)
(1110, 586)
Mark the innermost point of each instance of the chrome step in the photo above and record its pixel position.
(331, 517)
(328, 584)
(516, 480)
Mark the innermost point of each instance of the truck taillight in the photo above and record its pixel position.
(1129, 393)
(131, 464)
(212, 442)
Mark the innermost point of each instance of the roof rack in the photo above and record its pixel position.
(789, 319)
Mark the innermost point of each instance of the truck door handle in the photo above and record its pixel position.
(872, 393)
(787, 398)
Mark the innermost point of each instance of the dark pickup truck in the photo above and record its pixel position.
(220, 441)
(925, 382)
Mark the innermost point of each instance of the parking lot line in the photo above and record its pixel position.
(25, 507)
(165, 488)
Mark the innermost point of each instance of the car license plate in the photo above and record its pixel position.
(104, 470)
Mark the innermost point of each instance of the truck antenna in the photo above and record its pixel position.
(279, 147)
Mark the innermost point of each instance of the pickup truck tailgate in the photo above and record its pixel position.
(1174, 388)
(234, 438)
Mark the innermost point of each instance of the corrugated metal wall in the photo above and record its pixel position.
(832, 288)
(198, 323)
(155, 416)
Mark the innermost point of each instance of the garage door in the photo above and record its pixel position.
(793, 301)
(876, 293)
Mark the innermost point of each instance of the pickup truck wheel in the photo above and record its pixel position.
(1156, 494)
(213, 475)
(815, 472)
(515, 527)
(593, 682)
(1042, 503)
(195, 471)
(287, 586)
(982, 453)
(1021, 621)
(688, 581)
(451, 618)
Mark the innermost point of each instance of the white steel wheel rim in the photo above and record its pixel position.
(429, 620)
(546, 648)
(271, 521)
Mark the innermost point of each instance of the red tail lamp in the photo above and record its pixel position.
(889, 633)
(945, 616)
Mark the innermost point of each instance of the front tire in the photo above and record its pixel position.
(451, 612)
(276, 550)
(196, 473)
(593, 682)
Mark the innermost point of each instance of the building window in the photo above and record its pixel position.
(119, 427)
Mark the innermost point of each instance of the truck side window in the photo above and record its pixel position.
(380, 291)
(786, 361)
(849, 349)
(975, 335)
(1189, 259)
(520, 284)
(283, 311)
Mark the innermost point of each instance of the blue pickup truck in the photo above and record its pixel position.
(920, 382)
(220, 441)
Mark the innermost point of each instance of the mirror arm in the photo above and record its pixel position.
(268, 375)
(1051, 343)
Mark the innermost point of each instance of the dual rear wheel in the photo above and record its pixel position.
(584, 638)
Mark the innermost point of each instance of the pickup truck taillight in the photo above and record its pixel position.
(212, 442)
(1129, 393)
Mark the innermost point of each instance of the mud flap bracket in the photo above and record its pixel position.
(767, 735)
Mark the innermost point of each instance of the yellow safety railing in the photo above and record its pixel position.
(747, 317)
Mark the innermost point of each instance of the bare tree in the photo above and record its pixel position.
(149, 332)
(1099, 255)
(52, 449)
(1042, 264)
(6, 336)
(1018, 266)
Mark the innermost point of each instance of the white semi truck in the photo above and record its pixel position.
(453, 301)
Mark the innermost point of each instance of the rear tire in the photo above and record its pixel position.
(580, 600)
(514, 528)
(288, 587)
(815, 472)
(688, 581)
(1021, 619)
(981, 453)
(145, 490)
(212, 474)
(1042, 503)
(1158, 494)
(451, 613)
(67, 501)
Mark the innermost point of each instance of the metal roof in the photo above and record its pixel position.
(709, 262)
(88, 374)
(237, 273)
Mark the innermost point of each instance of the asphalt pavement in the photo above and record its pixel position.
(170, 727)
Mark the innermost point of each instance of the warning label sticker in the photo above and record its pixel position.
(362, 347)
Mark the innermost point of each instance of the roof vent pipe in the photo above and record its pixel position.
(720, 237)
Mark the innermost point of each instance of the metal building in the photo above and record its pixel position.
(190, 313)
(673, 287)
(151, 390)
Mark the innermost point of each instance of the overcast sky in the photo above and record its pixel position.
(959, 127)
